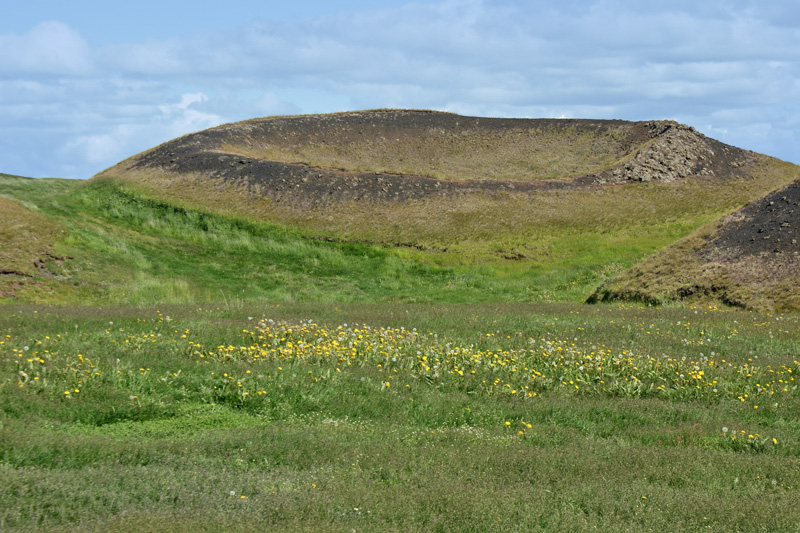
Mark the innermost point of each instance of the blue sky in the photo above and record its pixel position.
(84, 84)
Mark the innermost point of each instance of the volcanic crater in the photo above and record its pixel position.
(399, 155)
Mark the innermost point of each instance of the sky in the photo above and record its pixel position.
(85, 84)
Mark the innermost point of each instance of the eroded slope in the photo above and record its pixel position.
(750, 258)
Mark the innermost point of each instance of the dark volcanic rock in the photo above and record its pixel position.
(768, 226)
(289, 182)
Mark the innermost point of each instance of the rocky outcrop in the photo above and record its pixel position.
(676, 152)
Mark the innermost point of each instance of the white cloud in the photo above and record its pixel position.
(50, 48)
(185, 116)
(98, 148)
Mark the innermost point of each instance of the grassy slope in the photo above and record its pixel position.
(571, 241)
(157, 437)
(129, 249)
(124, 248)
(27, 236)
(677, 270)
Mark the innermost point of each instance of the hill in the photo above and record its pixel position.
(389, 155)
(387, 204)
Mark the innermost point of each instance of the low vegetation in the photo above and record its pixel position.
(440, 144)
(116, 244)
(397, 417)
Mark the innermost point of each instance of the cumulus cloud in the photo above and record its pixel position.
(50, 48)
(728, 67)
(97, 148)
(184, 116)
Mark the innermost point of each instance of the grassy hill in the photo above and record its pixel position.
(330, 216)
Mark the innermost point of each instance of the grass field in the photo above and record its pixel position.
(229, 374)
(398, 417)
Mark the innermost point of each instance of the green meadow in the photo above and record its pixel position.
(398, 417)
(167, 368)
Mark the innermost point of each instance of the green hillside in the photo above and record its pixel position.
(186, 223)
(100, 241)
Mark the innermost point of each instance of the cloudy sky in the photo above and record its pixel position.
(84, 84)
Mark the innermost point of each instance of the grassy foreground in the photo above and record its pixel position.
(398, 417)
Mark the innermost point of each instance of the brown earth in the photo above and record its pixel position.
(27, 238)
(660, 151)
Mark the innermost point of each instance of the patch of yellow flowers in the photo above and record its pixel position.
(316, 352)
(41, 366)
(544, 364)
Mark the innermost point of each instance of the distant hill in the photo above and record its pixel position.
(404, 155)
(407, 204)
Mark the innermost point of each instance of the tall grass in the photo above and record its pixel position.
(127, 248)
